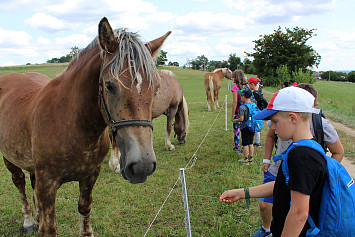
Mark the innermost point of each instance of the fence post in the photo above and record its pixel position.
(226, 116)
(186, 204)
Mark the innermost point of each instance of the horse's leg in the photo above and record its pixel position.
(208, 102)
(169, 125)
(114, 162)
(18, 178)
(216, 96)
(46, 191)
(85, 201)
(35, 201)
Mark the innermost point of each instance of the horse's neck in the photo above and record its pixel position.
(220, 75)
(81, 86)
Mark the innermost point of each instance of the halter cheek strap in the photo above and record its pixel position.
(114, 125)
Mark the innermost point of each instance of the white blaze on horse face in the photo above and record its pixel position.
(139, 82)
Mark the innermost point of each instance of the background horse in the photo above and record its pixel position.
(57, 129)
(212, 83)
(169, 100)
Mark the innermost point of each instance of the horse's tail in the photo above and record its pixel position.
(210, 85)
(186, 114)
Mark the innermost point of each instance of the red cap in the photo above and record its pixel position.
(294, 84)
(253, 80)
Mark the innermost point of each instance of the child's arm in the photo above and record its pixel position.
(337, 150)
(297, 215)
(240, 119)
(264, 190)
(269, 146)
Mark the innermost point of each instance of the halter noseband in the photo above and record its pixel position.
(118, 124)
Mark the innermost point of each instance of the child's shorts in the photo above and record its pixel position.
(268, 177)
(247, 137)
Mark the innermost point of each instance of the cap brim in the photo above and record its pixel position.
(265, 114)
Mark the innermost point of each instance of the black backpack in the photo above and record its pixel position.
(318, 129)
(261, 102)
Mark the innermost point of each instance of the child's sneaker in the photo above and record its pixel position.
(250, 159)
(236, 150)
(257, 145)
(244, 160)
(262, 233)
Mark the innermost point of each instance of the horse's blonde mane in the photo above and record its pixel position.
(168, 73)
(186, 114)
(131, 50)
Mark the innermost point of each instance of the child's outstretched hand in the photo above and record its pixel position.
(231, 196)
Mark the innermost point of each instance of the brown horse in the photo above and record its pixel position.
(169, 100)
(57, 129)
(212, 83)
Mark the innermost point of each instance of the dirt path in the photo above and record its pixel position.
(350, 167)
(346, 162)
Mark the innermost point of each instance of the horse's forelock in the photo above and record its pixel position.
(133, 52)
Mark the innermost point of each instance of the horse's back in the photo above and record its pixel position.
(168, 95)
(17, 92)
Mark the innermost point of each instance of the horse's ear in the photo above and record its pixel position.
(107, 38)
(155, 45)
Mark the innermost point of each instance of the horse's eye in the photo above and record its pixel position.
(109, 86)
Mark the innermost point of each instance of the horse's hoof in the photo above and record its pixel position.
(171, 148)
(30, 229)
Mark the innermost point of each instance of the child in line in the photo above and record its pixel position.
(238, 78)
(253, 85)
(331, 140)
(247, 135)
(289, 111)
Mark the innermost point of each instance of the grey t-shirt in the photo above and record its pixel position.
(330, 137)
(243, 111)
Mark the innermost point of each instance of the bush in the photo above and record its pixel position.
(301, 76)
(283, 74)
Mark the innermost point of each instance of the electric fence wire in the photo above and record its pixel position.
(193, 160)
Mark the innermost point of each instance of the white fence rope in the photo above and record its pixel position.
(193, 160)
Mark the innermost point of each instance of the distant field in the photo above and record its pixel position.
(123, 209)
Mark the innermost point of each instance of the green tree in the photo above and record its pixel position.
(234, 62)
(203, 60)
(284, 48)
(162, 58)
(74, 51)
(248, 66)
(351, 76)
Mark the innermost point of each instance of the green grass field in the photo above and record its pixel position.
(123, 209)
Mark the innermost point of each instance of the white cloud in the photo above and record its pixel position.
(209, 23)
(48, 23)
(10, 38)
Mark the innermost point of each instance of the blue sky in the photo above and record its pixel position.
(33, 31)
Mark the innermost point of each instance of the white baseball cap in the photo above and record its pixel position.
(293, 99)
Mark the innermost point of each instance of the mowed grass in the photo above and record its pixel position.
(123, 209)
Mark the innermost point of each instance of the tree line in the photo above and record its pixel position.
(281, 56)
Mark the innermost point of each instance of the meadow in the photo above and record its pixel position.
(123, 209)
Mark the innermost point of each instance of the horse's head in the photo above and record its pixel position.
(181, 124)
(227, 73)
(128, 82)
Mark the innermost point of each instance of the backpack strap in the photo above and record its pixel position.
(314, 230)
(318, 128)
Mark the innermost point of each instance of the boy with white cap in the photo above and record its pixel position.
(290, 110)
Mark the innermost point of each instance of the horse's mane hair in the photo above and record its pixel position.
(167, 72)
(186, 114)
(130, 50)
(224, 70)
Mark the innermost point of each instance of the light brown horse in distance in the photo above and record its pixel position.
(57, 129)
(170, 101)
(212, 83)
